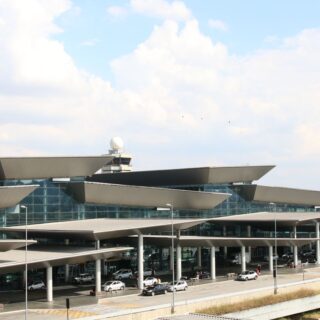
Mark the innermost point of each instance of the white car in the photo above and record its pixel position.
(122, 274)
(150, 281)
(247, 275)
(178, 286)
(36, 285)
(113, 286)
(84, 278)
(146, 273)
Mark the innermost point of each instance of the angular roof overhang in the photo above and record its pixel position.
(12, 195)
(280, 195)
(104, 228)
(136, 196)
(194, 241)
(268, 218)
(6, 245)
(189, 176)
(14, 260)
(50, 167)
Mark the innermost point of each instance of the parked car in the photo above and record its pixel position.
(146, 272)
(150, 281)
(84, 278)
(113, 286)
(153, 290)
(204, 275)
(247, 275)
(178, 286)
(36, 285)
(122, 274)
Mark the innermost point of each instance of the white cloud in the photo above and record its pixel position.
(117, 11)
(217, 25)
(179, 98)
(90, 42)
(175, 10)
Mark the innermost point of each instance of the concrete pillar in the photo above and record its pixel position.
(98, 270)
(213, 263)
(179, 262)
(318, 242)
(140, 262)
(171, 258)
(295, 248)
(271, 258)
(199, 257)
(249, 248)
(49, 284)
(66, 273)
(243, 258)
(225, 249)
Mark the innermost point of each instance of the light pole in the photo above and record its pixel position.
(26, 265)
(172, 245)
(275, 284)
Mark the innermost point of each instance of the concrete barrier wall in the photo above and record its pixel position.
(279, 310)
(195, 305)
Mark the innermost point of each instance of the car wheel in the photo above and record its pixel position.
(109, 290)
(43, 287)
(256, 277)
(122, 288)
(185, 288)
(152, 293)
(119, 278)
(246, 279)
(31, 289)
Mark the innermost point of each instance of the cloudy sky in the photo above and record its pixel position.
(184, 83)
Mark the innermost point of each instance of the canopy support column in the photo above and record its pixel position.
(271, 258)
(213, 263)
(140, 262)
(318, 242)
(243, 258)
(225, 249)
(295, 248)
(49, 285)
(98, 270)
(179, 261)
(249, 248)
(199, 257)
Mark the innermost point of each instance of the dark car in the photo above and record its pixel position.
(204, 275)
(153, 290)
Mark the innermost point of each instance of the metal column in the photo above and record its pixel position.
(243, 258)
(179, 262)
(213, 263)
(171, 258)
(140, 261)
(49, 284)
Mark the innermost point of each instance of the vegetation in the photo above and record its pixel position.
(259, 302)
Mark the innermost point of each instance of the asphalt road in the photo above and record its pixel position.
(126, 303)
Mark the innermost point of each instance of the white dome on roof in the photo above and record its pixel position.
(116, 143)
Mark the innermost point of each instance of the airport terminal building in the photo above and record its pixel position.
(76, 210)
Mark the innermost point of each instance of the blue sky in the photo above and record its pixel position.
(184, 83)
(251, 25)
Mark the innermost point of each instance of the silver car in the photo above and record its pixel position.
(178, 286)
(247, 275)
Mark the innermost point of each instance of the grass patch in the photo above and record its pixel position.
(259, 302)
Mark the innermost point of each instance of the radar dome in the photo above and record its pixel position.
(116, 143)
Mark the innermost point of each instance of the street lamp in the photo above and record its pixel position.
(26, 263)
(275, 284)
(172, 245)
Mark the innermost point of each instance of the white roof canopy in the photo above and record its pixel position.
(103, 228)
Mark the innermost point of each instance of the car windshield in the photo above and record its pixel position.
(108, 283)
(172, 283)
